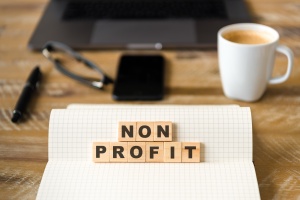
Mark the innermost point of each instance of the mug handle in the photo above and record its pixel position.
(290, 56)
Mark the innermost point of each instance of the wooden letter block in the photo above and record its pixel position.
(118, 152)
(163, 131)
(101, 152)
(144, 131)
(172, 151)
(127, 131)
(154, 152)
(136, 151)
(190, 152)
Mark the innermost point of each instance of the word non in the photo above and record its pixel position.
(146, 152)
(145, 131)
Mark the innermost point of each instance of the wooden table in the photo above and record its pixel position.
(192, 78)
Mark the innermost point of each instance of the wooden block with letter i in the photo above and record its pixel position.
(127, 131)
(136, 152)
(172, 151)
(154, 152)
(190, 152)
(101, 151)
(118, 152)
(163, 131)
(144, 131)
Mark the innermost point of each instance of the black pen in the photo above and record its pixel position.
(28, 91)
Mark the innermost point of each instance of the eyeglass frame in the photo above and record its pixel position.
(52, 46)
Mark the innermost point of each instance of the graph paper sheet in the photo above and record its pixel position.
(226, 170)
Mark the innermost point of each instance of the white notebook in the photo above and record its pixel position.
(226, 170)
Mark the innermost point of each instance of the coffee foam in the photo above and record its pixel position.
(248, 37)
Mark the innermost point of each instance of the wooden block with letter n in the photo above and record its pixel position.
(163, 131)
(136, 152)
(190, 152)
(144, 131)
(154, 152)
(101, 151)
(118, 152)
(172, 151)
(127, 131)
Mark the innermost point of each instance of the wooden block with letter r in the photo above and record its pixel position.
(118, 152)
(190, 152)
(101, 151)
(127, 131)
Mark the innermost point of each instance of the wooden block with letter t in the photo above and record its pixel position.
(172, 151)
(190, 152)
(154, 152)
(136, 152)
(101, 151)
(118, 152)
(127, 131)
(163, 131)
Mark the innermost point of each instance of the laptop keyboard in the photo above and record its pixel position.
(141, 9)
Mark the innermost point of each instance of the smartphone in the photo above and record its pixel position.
(140, 77)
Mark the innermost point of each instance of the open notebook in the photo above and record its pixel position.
(226, 170)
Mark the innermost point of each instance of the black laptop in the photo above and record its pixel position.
(137, 24)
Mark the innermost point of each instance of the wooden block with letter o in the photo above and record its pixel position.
(136, 152)
(144, 131)
(190, 152)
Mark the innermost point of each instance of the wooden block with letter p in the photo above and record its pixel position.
(163, 131)
(172, 151)
(101, 151)
(190, 152)
(118, 152)
(127, 131)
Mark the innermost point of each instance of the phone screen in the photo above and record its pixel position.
(140, 78)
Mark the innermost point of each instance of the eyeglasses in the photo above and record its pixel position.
(53, 46)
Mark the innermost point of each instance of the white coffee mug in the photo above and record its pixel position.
(246, 69)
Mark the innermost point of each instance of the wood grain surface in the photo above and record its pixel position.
(192, 78)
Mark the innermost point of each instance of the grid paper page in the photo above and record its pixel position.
(226, 170)
(225, 132)
(94, 106)
(87, 180)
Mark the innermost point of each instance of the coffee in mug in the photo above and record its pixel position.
(248, 37)
(246, 55)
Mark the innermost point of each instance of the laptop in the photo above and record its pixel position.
(137, 24)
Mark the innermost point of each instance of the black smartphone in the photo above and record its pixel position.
(140, 77)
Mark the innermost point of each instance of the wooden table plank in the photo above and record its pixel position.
(192, 78)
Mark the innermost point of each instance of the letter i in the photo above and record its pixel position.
(172, 150)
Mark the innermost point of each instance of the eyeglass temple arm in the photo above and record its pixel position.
(91, 65)
(97, 84)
